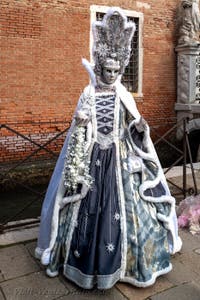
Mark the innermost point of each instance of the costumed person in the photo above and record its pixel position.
(108, 214)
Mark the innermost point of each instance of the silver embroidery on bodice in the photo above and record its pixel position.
(105, 105)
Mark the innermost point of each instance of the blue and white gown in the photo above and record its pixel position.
(124, 228)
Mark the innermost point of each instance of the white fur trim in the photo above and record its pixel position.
(90, 144)
(75, 198)
(89, 95)
(149, 155)
(177, 246)
(120, 190)
(71, 229)
(90, 71)
(51, 274)
(38, 252)
(128, 101)
(45, 258)
(149, 282)
(170, 222)
(88, 136)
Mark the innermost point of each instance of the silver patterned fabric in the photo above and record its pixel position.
(112, 38)
(147, 239)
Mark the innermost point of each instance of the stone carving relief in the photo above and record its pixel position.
(188, 66)
(183, 79)
(188, 22)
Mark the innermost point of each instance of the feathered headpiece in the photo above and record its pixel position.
(112, 39)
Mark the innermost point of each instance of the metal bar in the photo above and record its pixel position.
(166, 133)
(28, 139)
(178, 194)
(184, 158)
(171, 145)
(174, 184)
(34, 123)
(191, 165)
(40, 147)
(18, 164)
(34, 152)
(174, 164)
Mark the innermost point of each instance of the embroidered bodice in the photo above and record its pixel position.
(105, 112)
(105, 105)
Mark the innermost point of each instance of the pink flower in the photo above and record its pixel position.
(195, 213)
(183, 221)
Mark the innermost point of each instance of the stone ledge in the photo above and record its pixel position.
(20, 234)
(191, 107)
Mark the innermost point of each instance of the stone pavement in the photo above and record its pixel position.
(23, 278)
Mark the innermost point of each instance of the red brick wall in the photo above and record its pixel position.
(41, 46)
(159, 74)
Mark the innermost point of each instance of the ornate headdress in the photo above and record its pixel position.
(112, 39)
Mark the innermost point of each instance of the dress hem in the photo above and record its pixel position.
(89, 281)
(144, 284)
(104, 282)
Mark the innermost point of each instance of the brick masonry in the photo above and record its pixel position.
(41, 46)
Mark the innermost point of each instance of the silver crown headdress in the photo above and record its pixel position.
(112, 39)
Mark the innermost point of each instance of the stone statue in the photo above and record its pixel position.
(108, 214)
(188, 22)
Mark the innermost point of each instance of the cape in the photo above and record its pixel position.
(151, 187)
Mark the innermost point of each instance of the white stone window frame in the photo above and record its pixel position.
(131, 13)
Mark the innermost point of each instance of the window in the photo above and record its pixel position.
(132, 77)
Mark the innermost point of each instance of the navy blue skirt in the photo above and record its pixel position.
(95, 248)
(96, 242)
